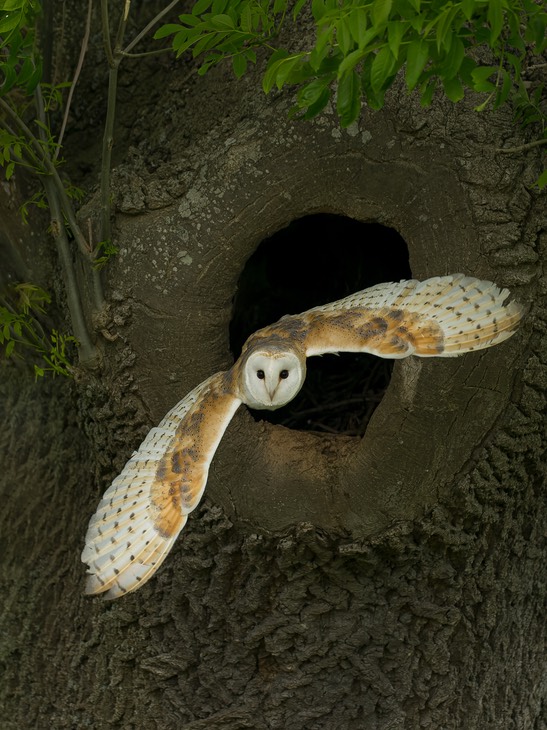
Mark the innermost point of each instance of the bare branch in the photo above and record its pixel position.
(106, 32)
(150, 25)
(146, 53)
(521, 148)
(108, 143)
(59, 203)
(79, 65)
(121, 27)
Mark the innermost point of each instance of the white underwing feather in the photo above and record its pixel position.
(124, 545)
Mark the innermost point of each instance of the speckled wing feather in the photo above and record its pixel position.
(441, 317)
(145, 508)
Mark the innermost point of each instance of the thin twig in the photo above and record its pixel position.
(106, 161)
(79, 65)
(87, 351)
(49, 168)
(146, 53)
(522, 148)
(114, 60)
(150, 25)
(122, 26)
(106, 32)
(66, 205)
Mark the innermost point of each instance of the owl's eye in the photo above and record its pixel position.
(260, 374)
(284, 374)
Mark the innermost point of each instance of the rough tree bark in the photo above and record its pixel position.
(326, 582)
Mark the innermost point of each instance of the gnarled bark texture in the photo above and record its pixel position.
(326, 582)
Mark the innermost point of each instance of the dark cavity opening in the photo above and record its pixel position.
(315, 260)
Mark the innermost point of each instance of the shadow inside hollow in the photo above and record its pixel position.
(315, 260)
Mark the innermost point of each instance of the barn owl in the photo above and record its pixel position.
(147, 505)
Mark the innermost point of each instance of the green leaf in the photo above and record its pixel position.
(380, 12)
(35, 78)
(297, 8)
(222, 22)
(368, 36)
(416, 58)
(9, 170)
(9, 5)
(219, 6)
(348, 102)
(201, 6)
(207, 42)
(239, 65)
(453, 89)
(321, 47)
(428, 89)
(9, 347)
(183, 40)
(210, 60)
(286, 66)
(445, 30)
(9, 22)
(536, 30)
(25, 71)
(468, 7)
(350, 61)
(466, 71)
(453, 60)
(246, 19)
(541, 182)
(495, 19)
(506, 87)
(382, 66)
(166, 30)
(395, 32)
(268, 80)
(343, 36)
(515, 38)
(10, 78)
(480, 78)
(280, 6)
(311, 93)
(314, 109)
(318, 9)
(191, 21)
(357, 22)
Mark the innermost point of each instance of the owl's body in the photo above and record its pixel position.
(145, 508)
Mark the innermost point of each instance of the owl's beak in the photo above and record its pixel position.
(271, 393)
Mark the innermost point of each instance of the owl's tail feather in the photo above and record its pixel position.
(471, 314)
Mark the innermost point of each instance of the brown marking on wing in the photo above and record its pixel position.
(386, 331)
(182, 472)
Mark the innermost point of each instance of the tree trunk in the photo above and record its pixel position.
(326, 581)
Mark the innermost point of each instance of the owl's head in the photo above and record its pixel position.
(271, 378)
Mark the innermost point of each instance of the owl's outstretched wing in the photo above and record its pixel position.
(146, 506)
(441, 317)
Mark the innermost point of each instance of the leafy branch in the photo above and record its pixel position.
(360, 47)
(24, 336)
(27, 141)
